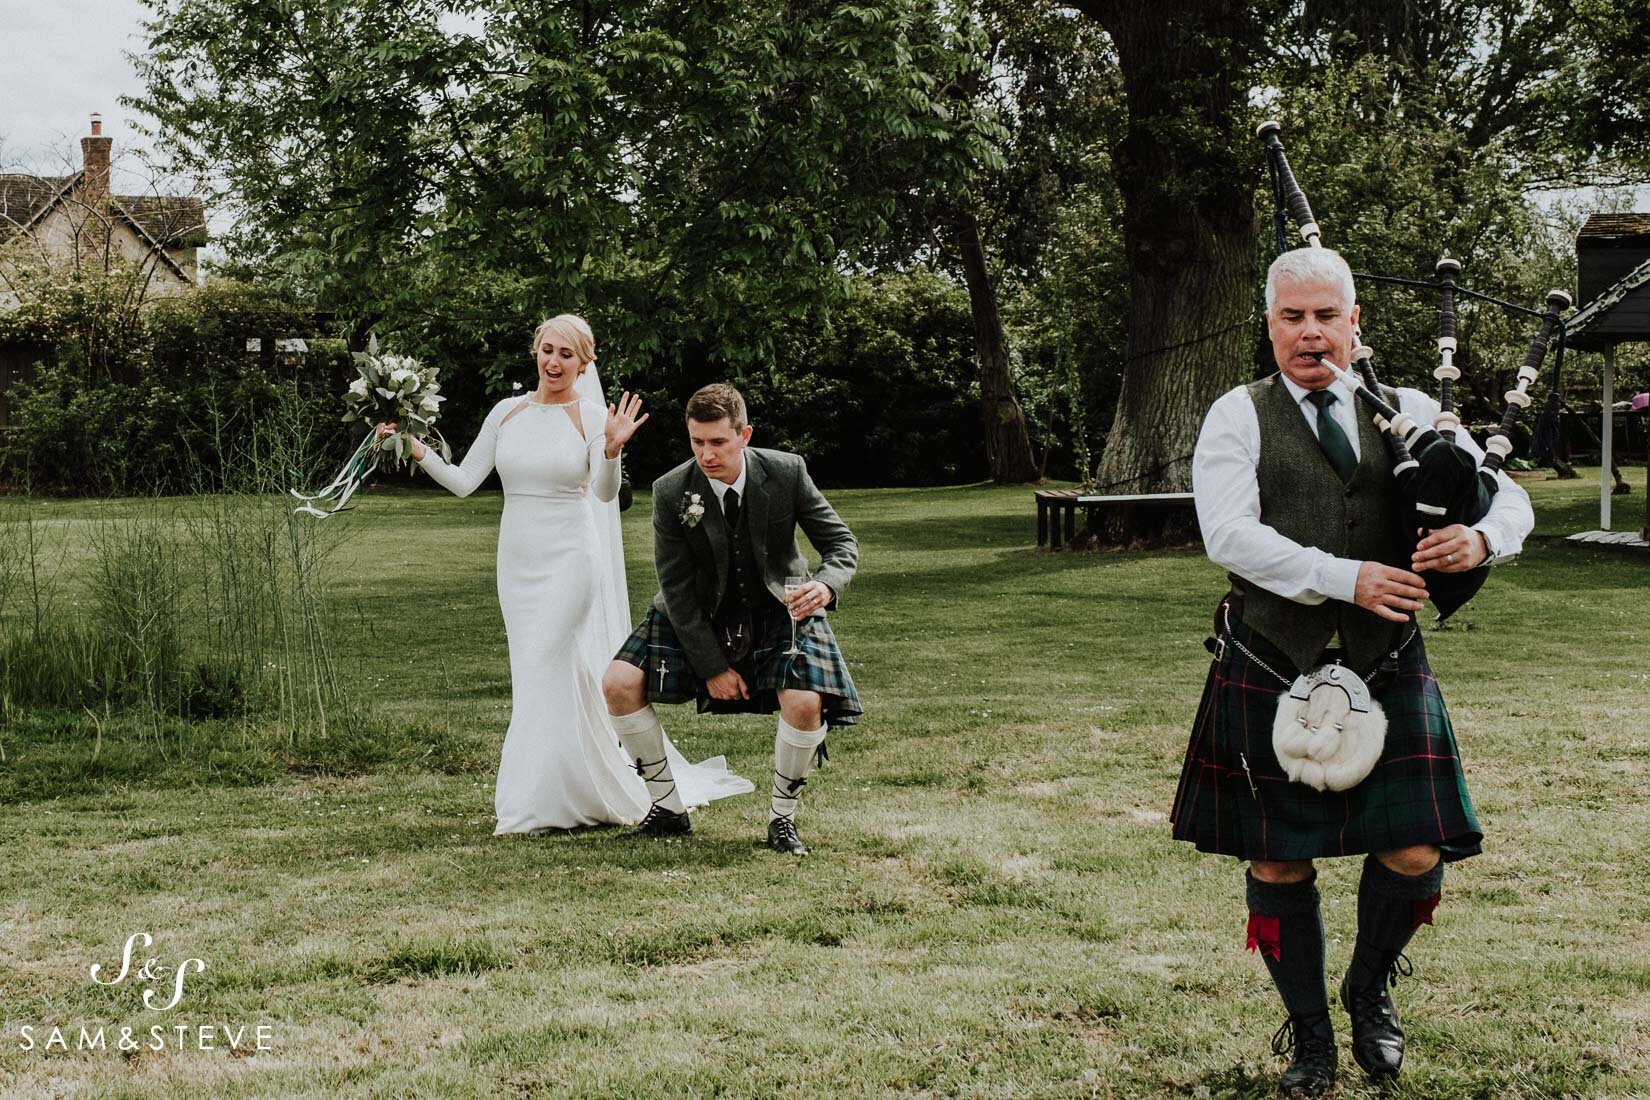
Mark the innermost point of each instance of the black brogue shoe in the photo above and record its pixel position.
(1311, 1071)
(661, 823)
(782, 837)
(1377, 1035)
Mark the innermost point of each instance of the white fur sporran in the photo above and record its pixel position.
(1328, 733)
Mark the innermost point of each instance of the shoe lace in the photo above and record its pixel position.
(785, 786)
(1375, 991)
(1296, 1032)
(655, 813)
(660, 767)
(785, 829)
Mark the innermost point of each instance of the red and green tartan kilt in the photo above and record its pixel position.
(1416, 794)
(654, 648)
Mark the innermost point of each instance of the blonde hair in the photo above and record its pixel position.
(571, 330)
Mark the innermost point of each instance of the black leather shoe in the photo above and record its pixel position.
(1312, 1070)
(782, 837)
(661, 823)
(1377, 1036)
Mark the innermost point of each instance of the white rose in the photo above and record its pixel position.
(399, 376)
(430, 402)
(358, 387)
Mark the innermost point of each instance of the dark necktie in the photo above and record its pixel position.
(1331, 437)
(730, 508)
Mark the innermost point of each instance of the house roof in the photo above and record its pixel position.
(22, 197)
(163, 221)
(1614, 227)
(170, 221)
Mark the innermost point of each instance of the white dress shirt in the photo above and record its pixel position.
(1227, 494)
(720, 488)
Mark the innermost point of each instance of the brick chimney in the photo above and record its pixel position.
(94, 152)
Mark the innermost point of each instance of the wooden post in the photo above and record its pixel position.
(1607, 484)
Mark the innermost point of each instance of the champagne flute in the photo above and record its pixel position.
(793, 585)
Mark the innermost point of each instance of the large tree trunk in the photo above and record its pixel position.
(1186, 170)
(1007, 445)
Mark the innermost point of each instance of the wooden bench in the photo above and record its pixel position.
(1057, 508)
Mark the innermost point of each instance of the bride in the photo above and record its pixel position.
(561, 586)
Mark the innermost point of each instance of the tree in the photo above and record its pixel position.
(1185, 170)
(691, 176)
(1047, 80)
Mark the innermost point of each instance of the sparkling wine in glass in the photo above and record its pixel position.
(793, 585)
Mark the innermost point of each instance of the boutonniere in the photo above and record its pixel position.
(693, 509)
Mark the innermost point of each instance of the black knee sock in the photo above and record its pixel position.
(1286, 927)
(1391, 907)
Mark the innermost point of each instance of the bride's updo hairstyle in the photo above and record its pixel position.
(572, 330)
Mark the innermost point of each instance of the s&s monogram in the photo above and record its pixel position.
(150, 973)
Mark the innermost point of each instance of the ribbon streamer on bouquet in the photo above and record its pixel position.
(356, 470)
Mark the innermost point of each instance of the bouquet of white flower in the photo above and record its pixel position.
(391, 389)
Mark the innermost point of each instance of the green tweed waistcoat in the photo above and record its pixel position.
(1302, 498)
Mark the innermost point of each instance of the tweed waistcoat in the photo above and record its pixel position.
(1302, 498)
(745, 593)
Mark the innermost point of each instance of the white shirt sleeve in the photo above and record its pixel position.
(462, 480)
(1510, 517)
(604, 471)
(1227, 493)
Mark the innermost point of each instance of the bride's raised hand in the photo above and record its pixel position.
(622, 422)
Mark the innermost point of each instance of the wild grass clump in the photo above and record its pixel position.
(203, 608)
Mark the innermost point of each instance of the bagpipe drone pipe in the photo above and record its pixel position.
(1440, 481)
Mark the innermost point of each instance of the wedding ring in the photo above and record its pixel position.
(1450, 559)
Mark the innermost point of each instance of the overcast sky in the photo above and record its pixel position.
(60, 60)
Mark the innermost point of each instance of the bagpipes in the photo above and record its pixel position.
(1441, 481)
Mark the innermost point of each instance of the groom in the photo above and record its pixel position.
(720, 628)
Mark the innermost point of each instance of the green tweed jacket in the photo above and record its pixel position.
(692, 560)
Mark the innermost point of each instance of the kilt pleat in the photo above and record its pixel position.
(654, 648)
(1235, 799)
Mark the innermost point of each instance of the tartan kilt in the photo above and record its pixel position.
(654, 648)
(1416, 794)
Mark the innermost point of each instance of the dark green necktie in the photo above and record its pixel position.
(1331, 437)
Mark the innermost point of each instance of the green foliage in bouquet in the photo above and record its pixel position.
(396, 389)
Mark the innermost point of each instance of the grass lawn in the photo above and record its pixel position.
(993, 906)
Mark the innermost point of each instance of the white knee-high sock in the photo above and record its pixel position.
(794, 751)
(643, 739)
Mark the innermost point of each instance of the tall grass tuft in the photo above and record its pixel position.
(213, 606)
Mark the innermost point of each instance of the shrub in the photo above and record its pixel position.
(185, 409)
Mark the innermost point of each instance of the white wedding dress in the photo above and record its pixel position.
(564, 618)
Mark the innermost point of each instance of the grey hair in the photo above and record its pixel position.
(1310, 265)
